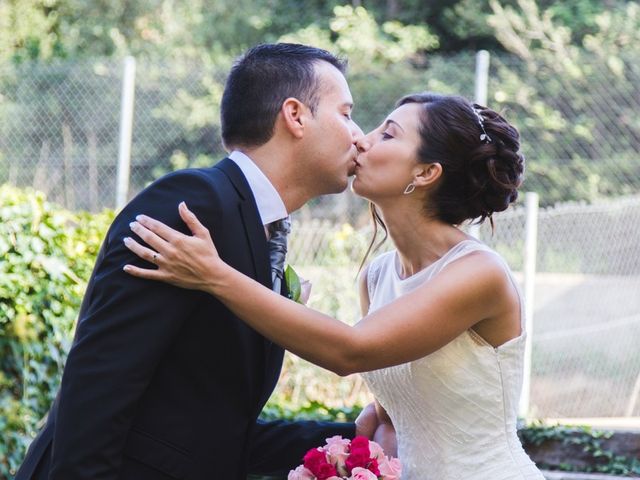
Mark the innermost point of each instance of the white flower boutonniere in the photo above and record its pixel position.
(299, 288)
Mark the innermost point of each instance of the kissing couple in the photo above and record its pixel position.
(165, 379)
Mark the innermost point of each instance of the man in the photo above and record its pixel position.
(165, 383)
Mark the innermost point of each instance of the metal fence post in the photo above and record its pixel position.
(126, 126)
(480, 96)
(529, 271)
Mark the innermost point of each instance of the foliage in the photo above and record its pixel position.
(590, 441)
(582, 141)
(47, 256)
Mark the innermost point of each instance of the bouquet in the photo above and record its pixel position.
(342, 459)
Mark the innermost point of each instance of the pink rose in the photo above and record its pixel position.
(390, 468)
(300, 473)
(337, 449)
(376, 450)
(305, 291)
(362, 474)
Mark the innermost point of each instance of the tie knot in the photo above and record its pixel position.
(282, 226)
(277, 243)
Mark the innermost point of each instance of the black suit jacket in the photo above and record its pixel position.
(163, 382)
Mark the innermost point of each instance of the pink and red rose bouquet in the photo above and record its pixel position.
(342, 459)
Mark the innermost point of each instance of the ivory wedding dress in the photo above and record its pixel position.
(454, 410)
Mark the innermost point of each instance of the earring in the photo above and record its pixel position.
(410, 188)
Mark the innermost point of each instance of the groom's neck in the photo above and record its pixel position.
(278, 165)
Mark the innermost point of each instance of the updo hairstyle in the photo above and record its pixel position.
(478, 149)
(479, 152)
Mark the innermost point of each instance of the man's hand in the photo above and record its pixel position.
(385, 436)
(367, 422)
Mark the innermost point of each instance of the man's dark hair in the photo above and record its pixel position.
(261, 80)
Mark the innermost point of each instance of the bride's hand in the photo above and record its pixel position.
(182, 260)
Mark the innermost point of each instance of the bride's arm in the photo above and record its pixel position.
(409, 328)
(385, 433)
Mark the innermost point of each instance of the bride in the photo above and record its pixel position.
(441, 341)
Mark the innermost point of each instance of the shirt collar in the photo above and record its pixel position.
(268, 200)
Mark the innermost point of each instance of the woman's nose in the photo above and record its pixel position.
(363, 144)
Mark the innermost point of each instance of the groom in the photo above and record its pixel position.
(166, 383)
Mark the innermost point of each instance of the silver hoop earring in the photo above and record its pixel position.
(410, 188)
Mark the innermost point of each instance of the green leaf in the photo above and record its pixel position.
(293, 283)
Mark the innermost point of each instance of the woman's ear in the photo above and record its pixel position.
(427, 174)
(293, 115)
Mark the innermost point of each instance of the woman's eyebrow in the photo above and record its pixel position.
(389, 122)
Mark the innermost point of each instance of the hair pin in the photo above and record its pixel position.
(484, 136)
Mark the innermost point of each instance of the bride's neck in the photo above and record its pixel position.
(420, 241)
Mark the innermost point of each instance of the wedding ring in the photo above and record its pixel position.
(155, 256)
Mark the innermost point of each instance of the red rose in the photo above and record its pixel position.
(326, 471)
(359, 458)
(359, 453)
(360, 443)
(314, 459)
(373, 467)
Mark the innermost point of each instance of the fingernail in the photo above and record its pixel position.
(127, 239)
(138, 217)
(133, 225)
(126, 268)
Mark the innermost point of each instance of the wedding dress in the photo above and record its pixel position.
(454, 410)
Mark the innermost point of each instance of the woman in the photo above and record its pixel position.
(441, 338)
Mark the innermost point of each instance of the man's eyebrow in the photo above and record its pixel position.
(389, 122)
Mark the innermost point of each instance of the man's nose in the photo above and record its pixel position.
(356, 132)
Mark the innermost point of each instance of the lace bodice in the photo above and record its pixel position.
(454, 410)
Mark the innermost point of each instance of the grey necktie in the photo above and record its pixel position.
(278, 232)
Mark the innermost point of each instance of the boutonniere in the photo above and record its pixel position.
(299, 288)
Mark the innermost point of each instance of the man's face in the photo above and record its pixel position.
(331, 133)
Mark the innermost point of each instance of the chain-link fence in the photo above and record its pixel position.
(59, 133)
(586, 360)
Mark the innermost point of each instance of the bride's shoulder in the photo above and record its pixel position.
(380, 261)
(371, 272)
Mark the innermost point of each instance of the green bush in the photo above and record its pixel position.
(46, 258)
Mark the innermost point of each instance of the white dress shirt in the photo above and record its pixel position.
(270, 204)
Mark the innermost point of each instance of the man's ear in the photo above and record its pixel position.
(293, 116)
(427, 174)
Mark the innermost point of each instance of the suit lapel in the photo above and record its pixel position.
(255, 236)
(251, 221)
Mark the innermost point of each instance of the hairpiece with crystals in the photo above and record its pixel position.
(484, 136)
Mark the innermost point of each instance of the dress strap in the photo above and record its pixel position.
(373, 274)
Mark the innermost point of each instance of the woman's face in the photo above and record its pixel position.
(388, 155)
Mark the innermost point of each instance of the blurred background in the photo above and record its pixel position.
(74, 75)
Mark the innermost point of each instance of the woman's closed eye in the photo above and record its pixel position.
(386, 136)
